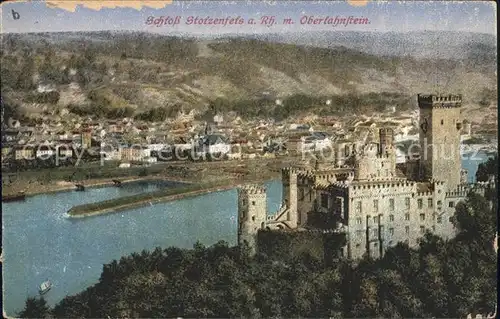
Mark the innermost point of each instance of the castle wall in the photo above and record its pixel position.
(379, 215)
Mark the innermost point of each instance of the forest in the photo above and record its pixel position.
(440, 278)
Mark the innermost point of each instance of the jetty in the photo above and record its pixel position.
(150, 198)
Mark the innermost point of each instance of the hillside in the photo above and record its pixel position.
(125, 73)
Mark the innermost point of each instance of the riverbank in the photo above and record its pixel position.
(145, 199)
(185, 172)
(62, 186)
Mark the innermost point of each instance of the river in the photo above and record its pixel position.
(40, 242)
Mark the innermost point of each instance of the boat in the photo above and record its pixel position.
(117, 183)
(14, 197)
(45, 287)
(80, 187)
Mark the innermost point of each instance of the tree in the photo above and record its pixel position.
(484, 170)
(35, 308)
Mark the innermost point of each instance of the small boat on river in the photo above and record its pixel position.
(80, 187)
(14, 197)
(45, 287)
(117, 183)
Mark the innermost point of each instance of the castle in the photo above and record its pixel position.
(374, 203)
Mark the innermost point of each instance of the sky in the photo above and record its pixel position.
(387, 16)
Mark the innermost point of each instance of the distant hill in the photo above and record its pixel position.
(144, 71)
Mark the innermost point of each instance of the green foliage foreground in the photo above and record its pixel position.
(439, 279)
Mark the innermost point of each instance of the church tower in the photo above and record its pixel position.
(440, 126)
(252, 214)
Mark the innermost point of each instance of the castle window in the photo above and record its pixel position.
(253, 218)
(433, 228)
(375, 232)
(407, 202)
(451, 204)
(359, 221)
(253, 203)
(420, 203)
(358, 207)
(422, 217)
(450, 219)
(391, 218)
(439, 220)
(375, 219)
(407, 216)
(375, 245)
(442, 122)
(439, 204)
(391, 204)
(324, 200)
(422, 230)
(244, 202)
(391, 231)
(375, 205)
(407, 229)
(429, 202)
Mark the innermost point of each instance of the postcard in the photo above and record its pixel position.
(256, 159)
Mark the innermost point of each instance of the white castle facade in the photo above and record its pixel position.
(374, 203)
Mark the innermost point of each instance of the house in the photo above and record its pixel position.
(10, 135)
(62, 135)
(213, 144)
(44, 151)
(45, 87)
(7, 150)
(316, 141)
(24, 152)
(64, 150)
(135, 154)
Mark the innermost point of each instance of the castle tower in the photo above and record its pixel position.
(252, 214)
(386, 136)
(440, 126)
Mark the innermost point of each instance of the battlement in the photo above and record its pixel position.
(322, 185)
(400, 183)
(305, 174)
(436, 101)
(436, 182)
(287, 171)
(425, 194)
(252, 189)
(341, 184)
(326, 231)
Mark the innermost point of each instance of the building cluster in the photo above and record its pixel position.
(375, 202)
(130, 140)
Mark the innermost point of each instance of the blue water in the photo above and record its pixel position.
(471, 161)
(40, 243)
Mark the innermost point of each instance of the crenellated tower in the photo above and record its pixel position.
(252, 214)
(440, 126)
